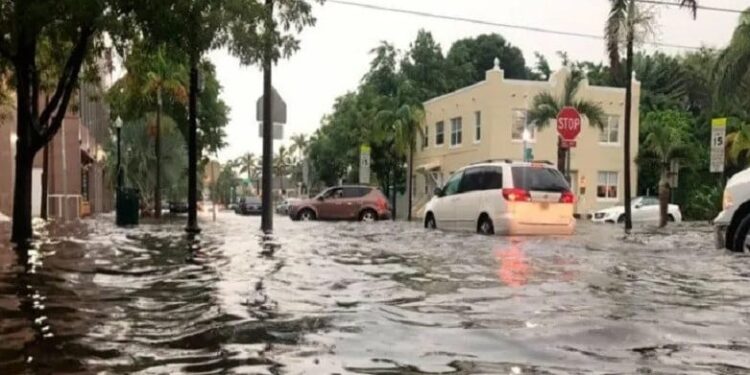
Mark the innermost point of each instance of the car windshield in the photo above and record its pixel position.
(538, 179)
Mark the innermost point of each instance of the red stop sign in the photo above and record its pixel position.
(568, 123)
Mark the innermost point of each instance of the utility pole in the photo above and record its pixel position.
(267, 215)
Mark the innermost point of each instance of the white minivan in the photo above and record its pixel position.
(507, 197)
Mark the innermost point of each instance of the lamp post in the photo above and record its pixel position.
(120, 177)
(527, 153)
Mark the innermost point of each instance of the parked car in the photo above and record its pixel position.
(363, 203)
(645, 210)
(178, 207)
(732, 225)
(250, 206)
(283, 207)
(507, 197)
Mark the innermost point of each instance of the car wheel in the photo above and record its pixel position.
(485, 226)
(368, 216)
(307, 215)
(670, 218)
(741, 241)
(429, 222)
(621, 219)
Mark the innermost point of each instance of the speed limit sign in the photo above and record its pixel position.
(718, 144)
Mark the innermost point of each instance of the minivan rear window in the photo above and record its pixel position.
(539, 179)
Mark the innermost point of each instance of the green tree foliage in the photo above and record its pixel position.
(138, 159)
(734, 61)
(469, 59)
(667, 140)
(545, 107)
(227, 185)
(425, 67)
(127, 99)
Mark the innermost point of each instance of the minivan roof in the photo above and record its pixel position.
(500, 162)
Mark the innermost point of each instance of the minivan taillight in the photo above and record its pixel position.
(382, 204)
(567, 197)
(516, 195)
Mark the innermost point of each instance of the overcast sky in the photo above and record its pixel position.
(335, 52)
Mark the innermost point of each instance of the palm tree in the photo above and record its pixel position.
(545, 107)
(163, 76)
(407, 122)
(734, 62)
(624, 24)
(281, 163)
(249, 164)
(300, 142)
(662, 146)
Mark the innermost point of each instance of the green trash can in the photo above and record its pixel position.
(127, 207)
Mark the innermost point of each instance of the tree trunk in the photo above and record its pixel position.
(157, 152)
(192, 225)
(663, 198)
(394, 194)
(45, 183)
(22, 195)
(626, 133)
(410, 181)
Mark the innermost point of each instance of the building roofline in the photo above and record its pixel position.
(461, 90)
(608, 88)
(527, 82)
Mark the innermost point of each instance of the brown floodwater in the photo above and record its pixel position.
(386, 298)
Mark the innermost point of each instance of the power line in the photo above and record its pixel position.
(702, 7)
(496, 24)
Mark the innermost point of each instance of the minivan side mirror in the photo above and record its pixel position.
(320, 198)
(638, 205)
(438, 192)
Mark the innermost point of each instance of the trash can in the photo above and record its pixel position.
(127, 207)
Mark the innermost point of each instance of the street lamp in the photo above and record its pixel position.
(120, 177)
(527, 153)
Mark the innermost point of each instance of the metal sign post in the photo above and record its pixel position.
(718, 144)
(364, 164)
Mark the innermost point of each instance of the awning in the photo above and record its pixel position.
(428, 167)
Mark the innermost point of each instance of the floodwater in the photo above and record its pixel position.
(386, 298)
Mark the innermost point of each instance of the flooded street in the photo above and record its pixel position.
(386, 298)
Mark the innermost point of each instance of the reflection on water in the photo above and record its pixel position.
(388, 298)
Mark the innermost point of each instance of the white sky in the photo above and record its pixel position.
(335, 53)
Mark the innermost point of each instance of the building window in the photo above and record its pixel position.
(456, 131)
(519, 124)
(426, 137)
(439, 133)
(611, 132)
(477, 126)
(606, 187)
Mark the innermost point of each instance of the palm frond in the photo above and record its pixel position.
(544, 109)
(593, 112)
(734, 62)
(740, 144)
(692, 4)
(614, 31)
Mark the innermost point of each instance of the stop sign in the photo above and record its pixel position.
(568, 123)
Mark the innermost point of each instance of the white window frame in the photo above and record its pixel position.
(478, 127)
(458, 131)
(607, 185)
(527, 125)
(442, 126)
(608, 131)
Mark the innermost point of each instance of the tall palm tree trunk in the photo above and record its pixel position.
(628, 105)
(663, 197)
(157, 151)
(410, 181)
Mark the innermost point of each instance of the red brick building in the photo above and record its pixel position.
(77, 184)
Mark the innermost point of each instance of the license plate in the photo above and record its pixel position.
(545, 205)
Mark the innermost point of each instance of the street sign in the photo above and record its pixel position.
(568, 144)
(718, 144)
(364, 164)
(569, 125)
(278, 131)
(278, 108)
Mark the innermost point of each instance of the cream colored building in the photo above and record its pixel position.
(486, 121)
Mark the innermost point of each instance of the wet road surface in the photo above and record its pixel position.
(386, 298)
